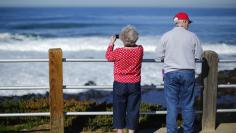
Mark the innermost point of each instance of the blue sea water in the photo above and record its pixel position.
(85, 33)
(211, 25)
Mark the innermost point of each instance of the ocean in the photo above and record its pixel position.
(85, 33)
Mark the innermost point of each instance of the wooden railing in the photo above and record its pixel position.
(209, 77)
(210, 82)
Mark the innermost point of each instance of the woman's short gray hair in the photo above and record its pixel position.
(129, 35)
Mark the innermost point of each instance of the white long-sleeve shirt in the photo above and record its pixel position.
(179, 48)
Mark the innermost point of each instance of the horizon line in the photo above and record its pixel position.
(115, 7)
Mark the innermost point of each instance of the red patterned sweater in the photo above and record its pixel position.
(127, 63)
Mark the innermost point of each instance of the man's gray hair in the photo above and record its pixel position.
(129, 35)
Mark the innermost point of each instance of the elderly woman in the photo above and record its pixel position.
(126, 87)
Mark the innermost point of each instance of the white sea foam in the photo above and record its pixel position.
(76, 73)
(17, 42)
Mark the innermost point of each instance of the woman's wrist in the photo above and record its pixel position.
(111, 43)
(113, 39)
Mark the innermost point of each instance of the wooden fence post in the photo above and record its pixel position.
(210, 80)
(56, 92)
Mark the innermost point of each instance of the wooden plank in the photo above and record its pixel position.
(56, 92)
(226, 128)
(210, 75)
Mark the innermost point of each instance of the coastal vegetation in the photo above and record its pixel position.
(39, 103)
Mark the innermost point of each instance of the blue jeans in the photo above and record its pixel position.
(126, 103)
(179, 92)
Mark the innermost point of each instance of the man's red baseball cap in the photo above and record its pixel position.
(182, 16)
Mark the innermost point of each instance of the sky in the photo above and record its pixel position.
(119, 3)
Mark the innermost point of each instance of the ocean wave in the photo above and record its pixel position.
(58, 25)
(6, 37)
(19, 42)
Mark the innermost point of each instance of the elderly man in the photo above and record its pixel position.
(179, 48)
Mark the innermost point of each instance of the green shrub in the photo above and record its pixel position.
(41, 104)
(102, 122)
